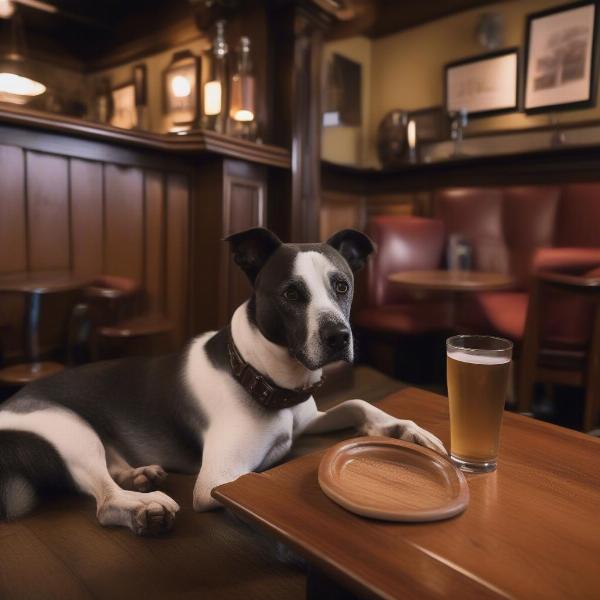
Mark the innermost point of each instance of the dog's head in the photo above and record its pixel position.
(303, 292)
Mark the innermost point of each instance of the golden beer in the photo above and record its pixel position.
(478, 381)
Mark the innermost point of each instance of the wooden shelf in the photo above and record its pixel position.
(552, 165)
(200, 141)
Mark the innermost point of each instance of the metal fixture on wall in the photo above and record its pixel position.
(18, 81)
(242, 107)
(489, 31)
(214, 97)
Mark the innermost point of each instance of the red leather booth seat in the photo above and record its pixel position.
(403, 244)
(515, 230)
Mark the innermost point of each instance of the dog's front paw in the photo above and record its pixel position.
(405, 430)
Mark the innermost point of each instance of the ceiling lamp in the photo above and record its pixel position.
(7, 9)
(11, 83)
(17, 84)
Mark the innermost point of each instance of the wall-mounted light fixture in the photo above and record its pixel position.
(181, 84)
(215, 89)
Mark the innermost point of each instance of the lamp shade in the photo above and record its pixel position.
(18, 83)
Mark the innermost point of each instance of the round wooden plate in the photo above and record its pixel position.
(393, 480)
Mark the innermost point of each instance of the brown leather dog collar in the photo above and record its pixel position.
(261, 388)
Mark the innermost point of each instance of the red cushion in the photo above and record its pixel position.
(579, 215)
(565, 318)
(403, 244)
(409, 318)
(497, 313)
(476, 214)
(574, 261)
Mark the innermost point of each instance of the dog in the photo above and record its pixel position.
(232, 402)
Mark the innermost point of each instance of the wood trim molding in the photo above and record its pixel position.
(555, 165)
(195, 142)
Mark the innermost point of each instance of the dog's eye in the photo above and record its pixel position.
(341, 287)
(291, 294)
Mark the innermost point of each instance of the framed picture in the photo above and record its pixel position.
(433, 124)
(181, 88)
(343, 93)
(124, 113)
(483, 85)
(561, 58)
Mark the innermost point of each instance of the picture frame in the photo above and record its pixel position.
(483, 85)
(124, 113)
(433, 124)
(561, 58)
(181, 84)
(343, 93)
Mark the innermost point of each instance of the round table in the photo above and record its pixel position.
(454, 282)
(33, 286)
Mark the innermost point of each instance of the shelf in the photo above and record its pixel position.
(200, 141)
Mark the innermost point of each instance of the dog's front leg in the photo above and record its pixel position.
(226, 455)
(370, 420)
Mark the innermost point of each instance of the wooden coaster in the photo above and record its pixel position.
(393, 480)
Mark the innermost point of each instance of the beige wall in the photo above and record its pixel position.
(407, 71)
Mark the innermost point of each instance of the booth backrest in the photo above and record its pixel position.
(403, 243)
(578, 222)
(505, 226)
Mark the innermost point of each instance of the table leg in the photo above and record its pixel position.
(32, 326)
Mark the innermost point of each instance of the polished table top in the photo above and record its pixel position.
(453, 281)
(44, 282)
(531, 530)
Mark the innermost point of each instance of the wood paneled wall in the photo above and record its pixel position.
(62, 212)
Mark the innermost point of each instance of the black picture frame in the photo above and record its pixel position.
(433, 124)
(482, 58)
(593, 82)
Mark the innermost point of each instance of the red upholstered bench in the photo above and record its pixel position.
(516, 230)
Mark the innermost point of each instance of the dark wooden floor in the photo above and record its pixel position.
(61, 552)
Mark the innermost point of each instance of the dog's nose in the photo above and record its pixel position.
(336, 336)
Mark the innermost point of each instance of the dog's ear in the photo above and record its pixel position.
(252, 248)
(354, 246)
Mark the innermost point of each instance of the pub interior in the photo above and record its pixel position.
(462, 137)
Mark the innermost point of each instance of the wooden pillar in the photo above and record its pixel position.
(298, 33)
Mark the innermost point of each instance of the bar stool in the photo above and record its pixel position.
(120, 326)
(146, 334)
(33, 286)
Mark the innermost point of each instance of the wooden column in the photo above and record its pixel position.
(299, 29)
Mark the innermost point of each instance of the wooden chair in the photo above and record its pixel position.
(561, 366)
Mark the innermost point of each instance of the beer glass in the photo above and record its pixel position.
(478, 370)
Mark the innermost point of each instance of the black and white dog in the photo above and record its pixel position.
(233, 402)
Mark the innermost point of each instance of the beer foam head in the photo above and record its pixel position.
(477, 359)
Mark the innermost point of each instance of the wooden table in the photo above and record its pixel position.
(532, 528)
(453, 281)
(33, 286)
